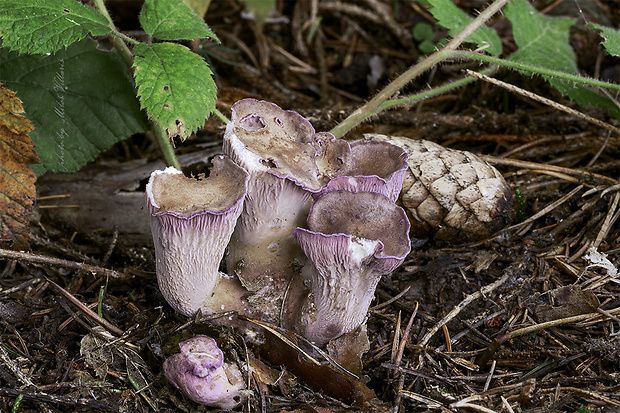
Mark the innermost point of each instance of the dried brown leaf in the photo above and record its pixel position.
(17, 190)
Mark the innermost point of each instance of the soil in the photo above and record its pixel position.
(456, 328)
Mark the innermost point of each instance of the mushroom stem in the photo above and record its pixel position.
(352, 240)
(191, 222)
(342, 285)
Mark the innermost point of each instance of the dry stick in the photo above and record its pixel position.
(85, 310)
(553, 323)
(546, 209)
(373, 105)
(41, 259)
(539, 166)
(468, 300)
(399, 357)
(544, 100)
(391, 300)
(14, 368)
(506, 404)
(98, 405)
(21, 286)
(427, 401)
(491, 372)
(607, 223)
(466, 403)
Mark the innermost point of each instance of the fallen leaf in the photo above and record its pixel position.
(17, 190)
(282, 350)
(570, 301)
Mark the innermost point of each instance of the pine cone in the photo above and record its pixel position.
(452, 195)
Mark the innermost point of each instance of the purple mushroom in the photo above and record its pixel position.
(353, 239)
(373, 166)
(192, 221)
(280, 150)
(200, 372)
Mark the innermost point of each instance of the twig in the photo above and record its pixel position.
(399, 357)
(66, 400)
(391, 300)
(546, 209)
(85, 310)
(544, 100)
(468, 300)
(41, 259)
(534, 165)
(21, 286)
(466, 402)
(506, 404)
(14, 368)
(426, 401)
(544, 71)
(552, 323)
(608, 221)
(488, 382)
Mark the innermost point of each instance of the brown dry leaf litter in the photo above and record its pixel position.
(17, 190)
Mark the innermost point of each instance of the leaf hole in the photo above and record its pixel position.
(166, 88)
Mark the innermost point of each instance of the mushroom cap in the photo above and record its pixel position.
(372, 166)
(169, 192)
(200, 373)
(261, 136)
(203, 354)
(365, 215)
(192, 222)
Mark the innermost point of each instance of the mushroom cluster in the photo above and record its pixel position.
(310, 223)
(278, 180)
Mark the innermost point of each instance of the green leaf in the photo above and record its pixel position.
(423, 32)
(46, 26)
(173, 20)
(454, 19)
(611, 36)
(80, 100)
(544, 41)
(175, 86)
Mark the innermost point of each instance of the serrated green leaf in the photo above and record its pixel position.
(611, 36)
(80, 100)
(46, 26)
(454, 19)
(544, 41)
(173, 20)
(175, 86)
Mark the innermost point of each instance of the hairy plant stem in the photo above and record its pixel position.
(374, 105)
(155, 131)
(535, 69)
(405, 100)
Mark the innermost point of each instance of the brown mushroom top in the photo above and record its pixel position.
(263, 136)
(365, 215)
(172, 192)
